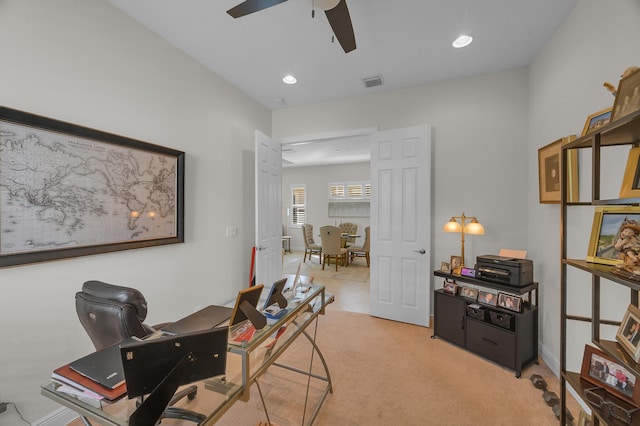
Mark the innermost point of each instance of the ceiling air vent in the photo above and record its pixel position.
(372, 81)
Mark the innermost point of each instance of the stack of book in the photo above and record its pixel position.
(98, 375)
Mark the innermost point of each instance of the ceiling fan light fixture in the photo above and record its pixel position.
(289, 79)
(326, 4)
(462, 41)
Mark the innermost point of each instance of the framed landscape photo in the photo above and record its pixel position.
(631, 181)
(597, 120)
(628, 334)
(628, 96)
(550, 172)
(603, 371)
(68, 191)
(615, 235)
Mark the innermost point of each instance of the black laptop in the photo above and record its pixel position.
(103, 366)
(205, 319)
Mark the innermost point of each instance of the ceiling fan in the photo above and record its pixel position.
(336, 11)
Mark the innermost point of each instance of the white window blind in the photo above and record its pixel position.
(336, 190)
(298, 204)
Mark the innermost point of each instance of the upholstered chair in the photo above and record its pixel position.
(361, 251)
(310, 246)
(349, 228)
(331, 247)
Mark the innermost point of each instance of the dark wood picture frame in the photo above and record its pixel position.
(550, 172)
(631, 181)
(597, 120)
(69, 191)
(627, 96)
(598, 366)
(607, 225)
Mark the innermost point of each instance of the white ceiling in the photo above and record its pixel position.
(408, 42)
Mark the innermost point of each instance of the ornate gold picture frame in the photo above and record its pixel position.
(631, 180)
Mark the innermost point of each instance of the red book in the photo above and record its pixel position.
(68, 376)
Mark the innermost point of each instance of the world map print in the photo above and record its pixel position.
(60, 191)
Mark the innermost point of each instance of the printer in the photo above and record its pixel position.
(504, 270)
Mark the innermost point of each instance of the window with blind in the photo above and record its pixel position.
(349, 190)
(298, 204)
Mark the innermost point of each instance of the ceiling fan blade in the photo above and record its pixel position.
(249, 6)
(340, 22)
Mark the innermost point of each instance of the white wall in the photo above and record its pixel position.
(317, 179)
(595, 44)
(479, 150)
(84, 62)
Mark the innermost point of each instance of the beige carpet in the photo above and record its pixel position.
(390, 373)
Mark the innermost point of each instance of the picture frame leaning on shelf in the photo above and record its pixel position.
(628, 334)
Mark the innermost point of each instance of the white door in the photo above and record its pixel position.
(268, 210)
(400, 225)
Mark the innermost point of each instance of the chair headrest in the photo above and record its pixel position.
(119, 294)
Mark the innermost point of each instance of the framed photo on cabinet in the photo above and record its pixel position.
(615, 235)
(631, 180)
(550, 172)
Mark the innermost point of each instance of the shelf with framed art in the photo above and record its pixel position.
(496, 321)
(609, 378)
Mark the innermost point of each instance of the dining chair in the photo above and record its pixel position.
(330, 236)
(349, 228)
(310, 246)
(361, 251)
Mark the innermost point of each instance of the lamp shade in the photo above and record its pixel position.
(474, 228)
(452, 226)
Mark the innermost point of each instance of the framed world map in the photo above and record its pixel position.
(68, 191)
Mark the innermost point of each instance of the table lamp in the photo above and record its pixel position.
(459, 224)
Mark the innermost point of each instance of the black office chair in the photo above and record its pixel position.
(110, 314)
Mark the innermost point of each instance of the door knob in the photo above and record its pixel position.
(260, 248)
(421, 251)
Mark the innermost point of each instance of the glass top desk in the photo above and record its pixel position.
(245, 364)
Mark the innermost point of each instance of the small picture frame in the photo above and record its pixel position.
(456, 264)
(631, 180)
(469, 292)
(584, 419)
(611, 235)
(487, 298)
(597, 120)
(550, 172)
(628, 96)
(603, 371)
(628, 334)
(510, 302)
(445, 267)
(450, 287)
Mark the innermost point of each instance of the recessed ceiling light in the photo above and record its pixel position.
(289, 79)
(462, 41)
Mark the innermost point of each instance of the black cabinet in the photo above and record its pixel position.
(506, 337)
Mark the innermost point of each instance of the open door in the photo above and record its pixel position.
(268, 267)
(401, 224)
